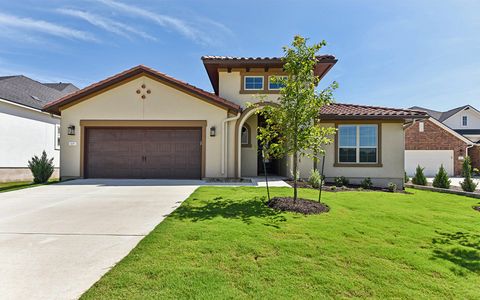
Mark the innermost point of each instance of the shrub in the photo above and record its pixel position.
(419, 178)
(315, 179)
(441, 179)
(366, 183)
(392, 187)
(467, 184)
(41, 168)
(467, 167)
(341, 181)
(333, 188)
(406, 178)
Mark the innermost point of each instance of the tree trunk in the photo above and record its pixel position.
(295, 179)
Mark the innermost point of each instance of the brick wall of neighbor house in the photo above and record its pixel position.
(435, 138)
(474, 154)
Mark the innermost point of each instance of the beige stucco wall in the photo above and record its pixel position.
(249, 154)
(393, 152)
(123, 103)
(229, 88)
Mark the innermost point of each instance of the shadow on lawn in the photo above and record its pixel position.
(462, 249)
(243, 210)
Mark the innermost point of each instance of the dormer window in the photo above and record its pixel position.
(274, 84)
(253, 83)
(464, 121)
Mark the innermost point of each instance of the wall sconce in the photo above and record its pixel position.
(213, 131)
(71, 130)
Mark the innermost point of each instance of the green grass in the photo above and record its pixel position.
(18, 185)
(224, 243)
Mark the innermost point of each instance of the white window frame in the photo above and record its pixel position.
(253, 76)
(421, 126)
(357, 146)
(269, 81)
(466, 121)
(57, 137)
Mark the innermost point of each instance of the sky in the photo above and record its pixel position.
(390, 53)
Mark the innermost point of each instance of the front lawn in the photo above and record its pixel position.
(19, 185)
(224, 243)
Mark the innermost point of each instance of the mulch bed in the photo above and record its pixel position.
(477, 208)
(302, 206)
(329, 187)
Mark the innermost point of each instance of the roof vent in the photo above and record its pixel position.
(35, 98)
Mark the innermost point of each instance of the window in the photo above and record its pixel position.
(358, 143)
(253, 83)
(245, 138)
(57, 136)
(421, 126)
(465, 121)
(275, 85)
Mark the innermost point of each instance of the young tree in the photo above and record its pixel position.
(441, 179)
(292, 127)
(467, 184)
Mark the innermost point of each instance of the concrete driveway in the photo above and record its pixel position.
(57, 240)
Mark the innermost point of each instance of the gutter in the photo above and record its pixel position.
(224, 141)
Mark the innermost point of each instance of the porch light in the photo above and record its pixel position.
(213, 131)
(71, 130)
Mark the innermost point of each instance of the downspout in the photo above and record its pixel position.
(468, 147)
(224, 140)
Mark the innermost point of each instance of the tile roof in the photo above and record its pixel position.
(80, 94)
(28, 92)
(354, 111)
(260, 59)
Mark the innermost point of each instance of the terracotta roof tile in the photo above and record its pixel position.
(243, 58)
(55, 105)
(353, 111)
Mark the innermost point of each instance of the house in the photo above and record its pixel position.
(444, 138)
(25, 129)
(145, 124)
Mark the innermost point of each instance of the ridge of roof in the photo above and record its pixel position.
(102, 84)
(346, 110)
(442, 115)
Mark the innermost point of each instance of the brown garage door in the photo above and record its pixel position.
(143, 153)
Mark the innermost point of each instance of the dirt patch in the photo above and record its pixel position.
(302, 206)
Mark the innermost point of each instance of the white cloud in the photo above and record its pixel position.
(105, 23)
(189, 30)
(27, 24)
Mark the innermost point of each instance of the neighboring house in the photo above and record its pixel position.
(444, 138)
(25, 129)
(144, 124)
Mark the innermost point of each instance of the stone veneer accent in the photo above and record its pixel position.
(435, 138)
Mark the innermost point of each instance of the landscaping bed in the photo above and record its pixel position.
(225, 243)
(303, 206)
(330, 187)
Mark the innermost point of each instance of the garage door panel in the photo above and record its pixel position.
(430, 160)
(143, 153)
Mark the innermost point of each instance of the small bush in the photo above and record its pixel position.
(467, 167)
(315, 179)
(441, 179)
(468, 185)
(366, 183)
(419, 178)
(392, 187)
(406, 178)
(341, 181)
(41, 168)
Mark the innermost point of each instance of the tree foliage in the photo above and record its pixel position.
(292, 126)
(41, 167)
(467, 184)
(419, 178)
(441, 179)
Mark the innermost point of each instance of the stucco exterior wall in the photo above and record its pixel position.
(393, 156)
(24, 132)
(230, 85)
(249, 154)
(123, 103)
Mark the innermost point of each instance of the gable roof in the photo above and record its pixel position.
(54, 106)
(25, 91)
(212, 63)
(442, 116)
(354, 111)
(62, 87)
